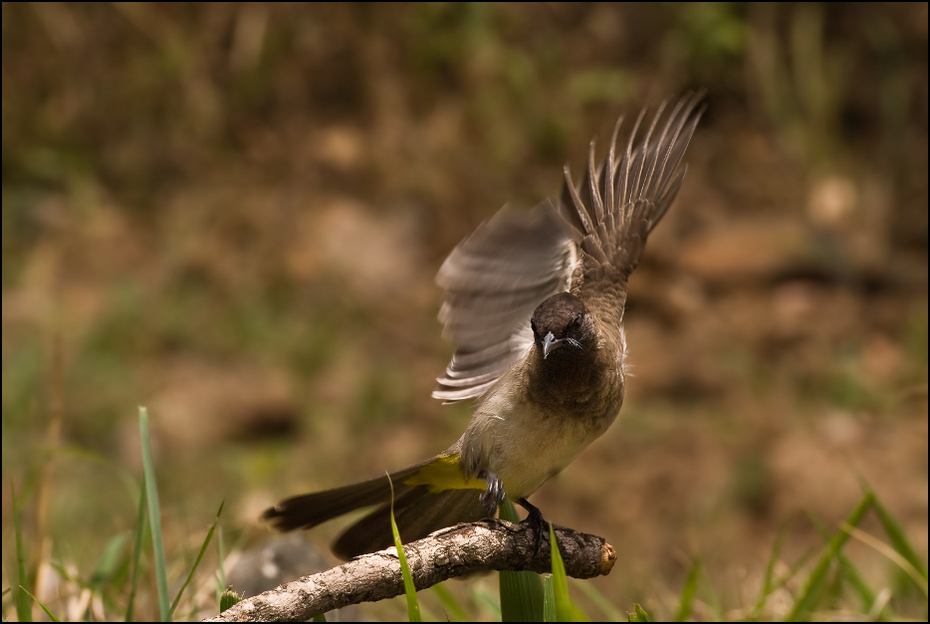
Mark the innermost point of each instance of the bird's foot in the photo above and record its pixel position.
(537, 523)
(493, 496)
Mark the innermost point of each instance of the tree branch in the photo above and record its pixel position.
(490, 544)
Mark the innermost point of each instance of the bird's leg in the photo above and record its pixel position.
(535, 520)
(493, 496)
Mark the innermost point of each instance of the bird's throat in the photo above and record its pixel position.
(567, 377)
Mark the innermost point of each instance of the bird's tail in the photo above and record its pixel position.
(418, 513)
(427, 496)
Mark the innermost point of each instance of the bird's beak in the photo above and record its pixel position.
(550, 343)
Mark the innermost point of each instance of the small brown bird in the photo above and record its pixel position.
(534, 302)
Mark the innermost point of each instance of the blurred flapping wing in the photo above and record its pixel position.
(493, 281)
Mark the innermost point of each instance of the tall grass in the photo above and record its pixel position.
(828, 585)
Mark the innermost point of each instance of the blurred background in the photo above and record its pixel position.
(232, 214)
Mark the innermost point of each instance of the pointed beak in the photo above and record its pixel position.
(550, 343)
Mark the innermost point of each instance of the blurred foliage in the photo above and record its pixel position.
(232, 212)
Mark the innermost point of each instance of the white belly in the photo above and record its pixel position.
(524, 448)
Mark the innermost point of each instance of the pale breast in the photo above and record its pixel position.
(525, 446)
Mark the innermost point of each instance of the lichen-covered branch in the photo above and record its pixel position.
(487, 545)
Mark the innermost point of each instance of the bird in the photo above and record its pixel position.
(533, 301)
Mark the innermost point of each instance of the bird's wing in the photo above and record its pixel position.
(493, 281)
(592, 240)
(616, 205)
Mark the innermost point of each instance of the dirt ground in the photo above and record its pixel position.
(233, 213)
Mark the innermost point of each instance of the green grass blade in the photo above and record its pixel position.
(893, 555)
(220, 553)
(816, 583)
(521, 596)
(109, 561)
(830, 598)
(549, 611)
(899, 540)
(203, 549)
(109, 574)
(229, 599)
(136, 555)
(39, 602)
(410, 591)
(222, 585)
(151, 488)
(23, 605)
(846, 571)
(521, 593)
(768, 582)
(565, 609)
(712, 601)
(639, 615)
(861, 588)
(689, 592)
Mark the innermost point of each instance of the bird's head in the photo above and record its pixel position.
(563, 323)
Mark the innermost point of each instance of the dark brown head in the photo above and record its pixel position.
(562, 324)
